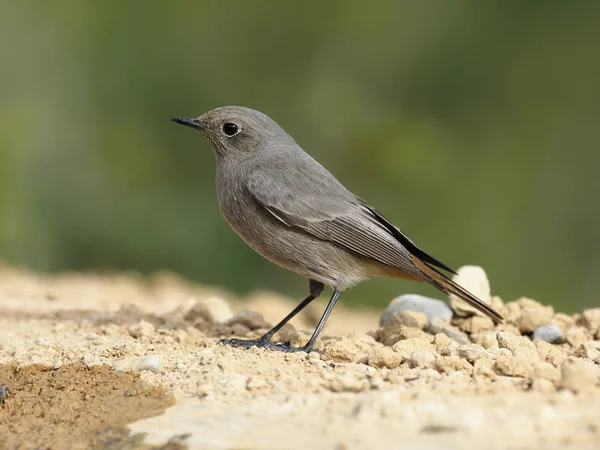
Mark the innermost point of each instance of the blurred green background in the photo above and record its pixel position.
(473, 125)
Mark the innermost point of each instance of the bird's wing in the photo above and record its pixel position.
(316, 203)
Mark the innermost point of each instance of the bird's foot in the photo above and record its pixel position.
(264, 343)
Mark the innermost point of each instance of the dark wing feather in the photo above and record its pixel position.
(406, 242)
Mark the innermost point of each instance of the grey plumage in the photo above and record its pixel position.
(292, 211)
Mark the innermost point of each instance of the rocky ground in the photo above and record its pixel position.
(120, 361)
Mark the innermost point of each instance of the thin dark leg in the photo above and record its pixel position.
(265, 341)
(334, 298)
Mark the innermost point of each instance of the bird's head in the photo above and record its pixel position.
(236, 131)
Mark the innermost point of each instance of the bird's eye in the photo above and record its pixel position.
(231, 129)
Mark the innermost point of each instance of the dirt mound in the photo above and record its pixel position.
(67, 407)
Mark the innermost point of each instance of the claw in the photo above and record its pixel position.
(263, 343)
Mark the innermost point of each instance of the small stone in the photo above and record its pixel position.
(407, 346)
(238, 329)
(445, 345)
(546, 371)
(383, 356)
(396, 328)
(484, 367)
(519, 346)
(548, 333)
(150, 362)
(286, 334)
(432, 308)
(124, 365)
(141, 329)
(449, 364)
(474, 352)
(250, 319)
(475, 324)
(533, 316)
(588, 350)
(343, 349)
(514, 366)
(487, 339)
(421, 358)
(512, 312)
(498, 304)
(211, 309)
(474, 280)
(181, 336)
(411, 333)
(542, 385)
(549, 353)
(510, 328)
(3, 392)
(577, 336)
(348, 383)
(441, 326)
(526, 302)
(563, 321)
(591, 320)
(412, 319)
(579, 375)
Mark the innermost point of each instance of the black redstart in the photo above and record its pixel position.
(292, 211)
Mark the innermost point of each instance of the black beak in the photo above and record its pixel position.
(193, 123)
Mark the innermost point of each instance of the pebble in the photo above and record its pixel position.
(250, 319)
(383, 356)
(412, 319)
(475, 324)
(150, 362)
(212, 309)
(474, 352)
(445, 345)
(438, 325)
(548, 333)
(579, 375)
(348, 383)
(343, 349)
(3, 392)
(519, 346)
(141, 329)
(474, 280)
(577, 336)
(421, 358)
(514, 366)
(549, 353)
(546, 371)
(591, 320)
(432, 308)
(542, 385)
(449, 364)
(588, 350)
(407, 346)
(487, 339)
(532, 316)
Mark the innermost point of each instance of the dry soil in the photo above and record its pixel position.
(121, 361)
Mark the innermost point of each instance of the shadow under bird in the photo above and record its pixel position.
(292, 211)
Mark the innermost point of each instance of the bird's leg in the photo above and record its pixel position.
(309, 346)
(265, 340)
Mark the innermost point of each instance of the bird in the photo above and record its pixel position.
(292, 211)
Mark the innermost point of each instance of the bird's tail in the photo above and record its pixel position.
(448, 286)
